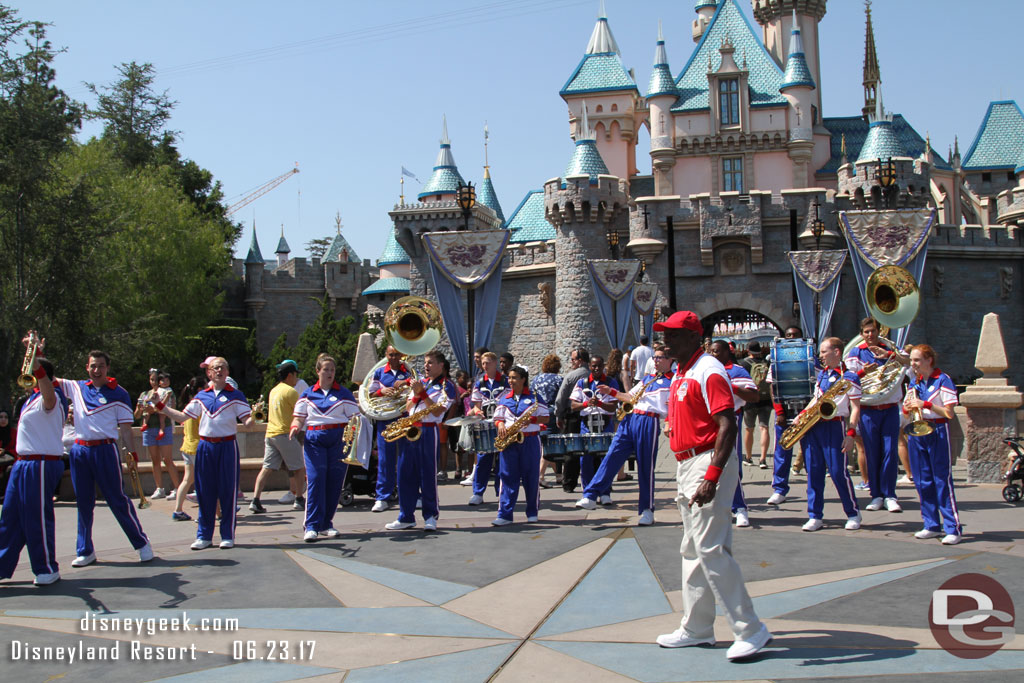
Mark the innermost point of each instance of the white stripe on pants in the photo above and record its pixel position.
(709, 571)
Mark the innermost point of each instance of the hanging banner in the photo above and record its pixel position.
(816, 275)
(613, 283)
(466, 258)
(817, 269)
(645, 295)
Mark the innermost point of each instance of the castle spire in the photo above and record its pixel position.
(445, 179)
(872, 74)
(798, 74)
(602, 40)
(254, 255)
(661, 82)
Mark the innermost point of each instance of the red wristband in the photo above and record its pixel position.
(423, 395)
(713, 474)
(533, 419)
(135, 456)
(39, 372)
(159, 406)
(851, 432)
(927, 405)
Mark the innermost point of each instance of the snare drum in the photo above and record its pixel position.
(792, 371)
(484, 434)
(597, 444)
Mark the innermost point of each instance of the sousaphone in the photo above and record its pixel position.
(894, 299)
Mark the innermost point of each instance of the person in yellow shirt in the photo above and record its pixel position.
(189, 444)
(280, 450)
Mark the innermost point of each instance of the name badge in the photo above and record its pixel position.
(332, 399)
(527, 401)
(832, 379)
(223, 399)
(101, 399)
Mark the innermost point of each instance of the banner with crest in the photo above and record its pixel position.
(645, 295)
(896, 237)
(468, 260)
(613, 282)
(816, 275)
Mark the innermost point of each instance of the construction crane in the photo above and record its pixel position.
(261, 190)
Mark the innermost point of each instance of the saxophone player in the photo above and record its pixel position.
(827, 442)
(417, 459)
(519, 463)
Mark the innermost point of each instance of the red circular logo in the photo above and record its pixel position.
(971, 616)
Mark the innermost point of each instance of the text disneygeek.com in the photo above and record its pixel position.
(135, 650)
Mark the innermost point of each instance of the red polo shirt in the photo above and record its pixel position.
(699, 390)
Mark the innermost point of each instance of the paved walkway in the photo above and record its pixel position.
(577, 596)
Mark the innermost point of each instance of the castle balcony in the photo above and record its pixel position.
(1010, 206)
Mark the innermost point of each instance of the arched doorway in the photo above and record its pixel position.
(741, 326)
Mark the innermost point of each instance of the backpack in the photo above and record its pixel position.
(759, 373)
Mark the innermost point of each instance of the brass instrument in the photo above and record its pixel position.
(406, 428)
(823, 407)
(133, 474)
(350, 436)
(918, 425)
(626, 407)
(893, 296)
(26, 380)
(514, 432)
(259, 411)
(884, 379)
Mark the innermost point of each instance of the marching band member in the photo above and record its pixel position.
(325, 409)
(782, 460)
(417, 460)
(103, 412)
(486, 391)
(386, 382)
(879, 422)
(637, 434)
(825, 445)
(520, 462)
(930, 457)
(219, 408)
(743, 390)
(27, 517)
(585, 399)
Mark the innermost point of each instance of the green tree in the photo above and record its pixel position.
(316, 248)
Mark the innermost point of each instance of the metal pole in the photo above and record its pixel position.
(670, 232)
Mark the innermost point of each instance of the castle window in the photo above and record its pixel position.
(814, 115)
(729, 101)
(732, 174)
(1009, 176)
(986, 177)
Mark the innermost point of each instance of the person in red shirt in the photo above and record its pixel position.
(701, 427)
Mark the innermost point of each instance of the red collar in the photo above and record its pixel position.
(111, 383)
(840, 370)
(864, 345)
(401, 367)
(316, 387)
(681, 369)
(497, 378)
(936, 373)
(512, 394)
(602, 378)
(728, 367)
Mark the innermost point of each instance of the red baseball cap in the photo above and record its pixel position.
(681, 320)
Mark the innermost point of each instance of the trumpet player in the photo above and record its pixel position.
(929, 454)
(103, 413)
(827, 442)
(636, 434)
(417, 459)
(325, 409)
(388, 381)
(519, 463)
(27, 518)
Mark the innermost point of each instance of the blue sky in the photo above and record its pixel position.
(353, 91)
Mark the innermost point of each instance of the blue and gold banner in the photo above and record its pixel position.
(613, 282)
(816, 275)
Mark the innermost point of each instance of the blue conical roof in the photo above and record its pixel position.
(798, 74)
(881, 142)
(254, 255)
(488, 197)
(446, 178)
(586, 160)
(661, 82)
(701, 4)
(393, 252)
(601, 68)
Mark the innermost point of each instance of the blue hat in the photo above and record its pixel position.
(288, 361)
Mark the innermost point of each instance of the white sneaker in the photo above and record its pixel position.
(83, 560)
(875, 504)
(893, 505)
(468, 481)
(776, 499)
(146, 553)
(310, 536)
(531, 518)
(287, 498)
(927, 533)
(430, 524)
(853, 523)
(201, 543)
(172, 494)
(380, 506)
(419, 503)
(646, 518)
(227, 544)
(742, 518)
(750, 647)
(332, 533)
(398, 526)
(192, 497)
(812, 524)
(475, 499)
(679, 639)
(586, 503)
(905, 480)
(46, 579)
(950, 539)
(606, 499)
(500, 521)
(159, 493)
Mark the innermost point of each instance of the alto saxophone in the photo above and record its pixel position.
(514, 432)
(406, 427)
(626, 407)
(133, 472)
(823, 407)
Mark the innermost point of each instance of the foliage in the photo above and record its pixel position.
(316, 248)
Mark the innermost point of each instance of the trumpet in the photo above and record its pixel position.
(259, 411)
(133, 472)
(26, 380)
(918, 425)
(349, 437)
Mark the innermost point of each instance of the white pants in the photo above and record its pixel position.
(709, 571)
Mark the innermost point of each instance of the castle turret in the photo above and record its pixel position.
(777, 17)
(485, 194)
(705, 10)
(254, 268)
(798, 88)
(661, 95)
(872, 74)
(282, 249)
(445, 180)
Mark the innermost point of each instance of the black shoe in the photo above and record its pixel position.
(256, 506)
(442, 477)
(299, 504)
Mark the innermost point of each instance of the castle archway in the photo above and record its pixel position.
(741, 326)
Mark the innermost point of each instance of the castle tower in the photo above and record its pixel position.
(777, 19)
(616, 110)
(394, 278)
(584, 207)
(661, 95)
(445, 180)
(485, 194)
(872, 74)
(282, 249)
(798, 88)
(254, 268)
(705, 10)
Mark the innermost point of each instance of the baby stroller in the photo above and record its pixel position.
(359, 481)
(1015, 472)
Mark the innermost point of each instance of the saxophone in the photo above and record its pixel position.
(626, 407)
(514, 432)
(823, 407)
(406, 426)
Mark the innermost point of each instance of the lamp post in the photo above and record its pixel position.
(466, 198)
(817, 229)
(885, 172)
(613, 243)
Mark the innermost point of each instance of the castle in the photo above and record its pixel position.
(743, 162)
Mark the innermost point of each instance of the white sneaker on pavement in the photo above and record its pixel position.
(171, 494)
(950, 539)
(192, 497)
(475, 499)
(749, 647)
(893, 505)
(310, 536)
(586, 503)
(287, 499)
(742, 518)
(146, 553)
(875, 504)
(679, 639)
(379, 506)
(812, 524)
(646, 518)
(200, 543)
(853, 523)
(430, 524)
(332, 533)
(398, 526)
(606, 499)
(500, 521)
(531, 518)
(927, 533)
(776, 499)
(46, 579)
(227, 544)
(83, 560)
(905, 480)
(159, 493)
(468, 481)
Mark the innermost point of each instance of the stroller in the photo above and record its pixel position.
(359, 481)
(1015, 472)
